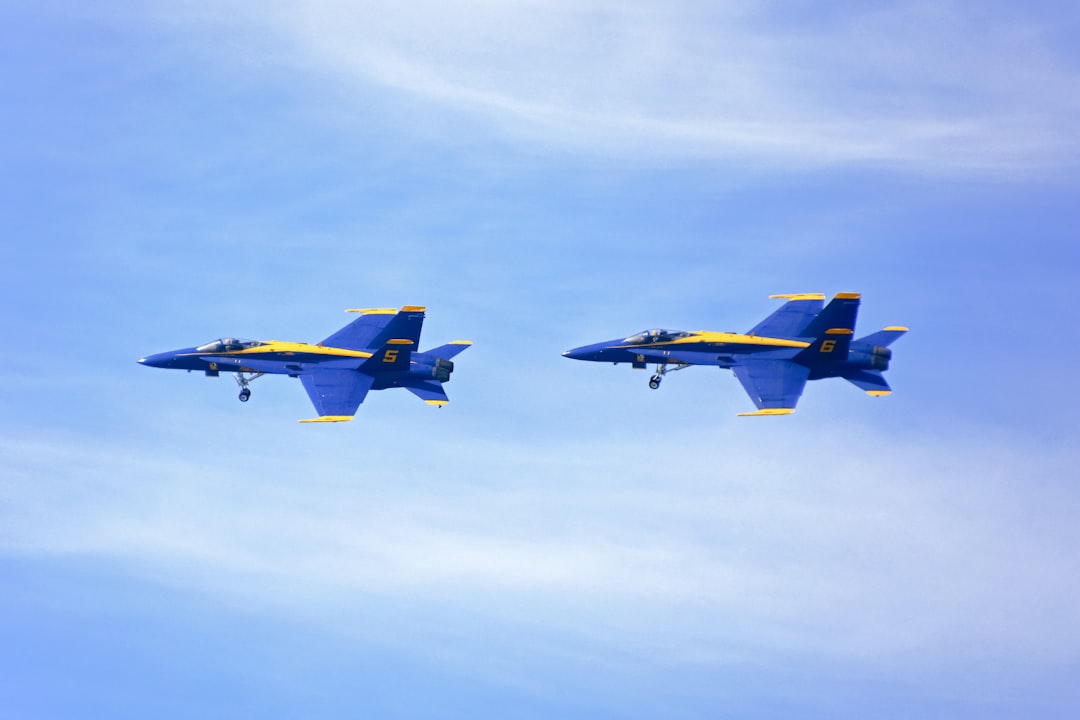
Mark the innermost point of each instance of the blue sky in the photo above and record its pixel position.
(559, 541)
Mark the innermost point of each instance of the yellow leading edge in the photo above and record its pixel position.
(769, 411)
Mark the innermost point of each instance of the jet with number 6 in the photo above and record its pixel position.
(376, 351)
(803, 340)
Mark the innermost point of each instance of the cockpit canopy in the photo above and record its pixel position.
(228, 345)
(654, 336)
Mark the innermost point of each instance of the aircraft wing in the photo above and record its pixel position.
(792, 317)
(774, 385)
(336, 393)
(376, 326)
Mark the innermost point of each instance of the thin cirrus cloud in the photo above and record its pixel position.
(852, 561)
(928, 87)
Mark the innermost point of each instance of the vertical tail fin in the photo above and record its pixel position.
(396, 355)
(831, 332)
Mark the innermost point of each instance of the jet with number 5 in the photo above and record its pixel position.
(376, 351)
(803, 340)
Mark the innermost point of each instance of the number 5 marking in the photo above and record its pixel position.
(391, 356)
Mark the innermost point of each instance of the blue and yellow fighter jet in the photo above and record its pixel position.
(799, 342)
(374, 352)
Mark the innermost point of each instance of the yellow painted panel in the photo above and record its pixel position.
(768, 411)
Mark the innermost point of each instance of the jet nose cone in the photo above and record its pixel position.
(159, 361)
(588, 352)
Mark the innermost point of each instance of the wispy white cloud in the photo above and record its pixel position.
(927, 86)
(930, 550)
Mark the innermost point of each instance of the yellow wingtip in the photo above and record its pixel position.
(768, 411)
(799, 296)
(328, 418)
(438, 403)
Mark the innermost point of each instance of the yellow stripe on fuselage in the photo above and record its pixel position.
(288, 349)
(705, 337)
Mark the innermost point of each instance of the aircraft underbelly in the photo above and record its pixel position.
(725, 357)
(400, 379)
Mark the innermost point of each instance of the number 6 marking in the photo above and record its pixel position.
(828, 346)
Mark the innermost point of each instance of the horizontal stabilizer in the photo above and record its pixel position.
(869, 381)
(885, 337)
(449, 350)
(430, 392)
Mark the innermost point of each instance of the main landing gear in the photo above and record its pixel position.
(243, 380)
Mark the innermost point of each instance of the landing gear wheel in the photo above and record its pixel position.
(654, 382)
(245, 395)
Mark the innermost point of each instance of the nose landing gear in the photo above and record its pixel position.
(243, 380)
(661, 370)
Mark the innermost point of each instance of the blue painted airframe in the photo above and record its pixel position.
(374, 352)
(803, 340)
